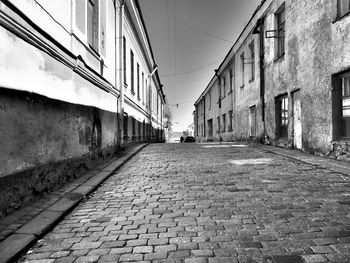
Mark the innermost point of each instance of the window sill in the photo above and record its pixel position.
(252, 80)
(241, 87)
(230, 130)
(125, 85)
(229, 92)
(279, 58)
(132, 92)
(338, 18)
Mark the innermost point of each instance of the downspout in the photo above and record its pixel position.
(120, 69)
(262, 72)
(155, 68)
(259, 29)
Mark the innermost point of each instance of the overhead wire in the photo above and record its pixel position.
(192, 70)
(204, 32)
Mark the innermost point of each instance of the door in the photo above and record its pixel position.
(252, 121)
(210, 129)
(297, 127)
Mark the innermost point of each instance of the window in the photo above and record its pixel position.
(224, 86)
(138, 81)
(218, 121)
(282, 116)
(281, 20)
(124, 58)
(132, 71)
(231, 79)
(230, 123)
(252, 121)
(252, 65)
(92, 24)
(209, 98)
(343, 7)
(139, 129)
(341, 106)
(223, 122)
(242, 70)
(125, 125)
(133, 126)
(143, 87)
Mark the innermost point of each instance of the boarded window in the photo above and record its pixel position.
(92, 24)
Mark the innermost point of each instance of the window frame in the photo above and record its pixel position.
(242, 69)
(280, 45)
(132, 80)
(138, 80)
(230, 123)
(282, 116)
(224, 122)
(92, 34)
(341, 123)
(124, 61)
(252, 57)
(342, 8)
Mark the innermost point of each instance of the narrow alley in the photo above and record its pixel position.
(224, 202)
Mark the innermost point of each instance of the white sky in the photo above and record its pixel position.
(190, 38)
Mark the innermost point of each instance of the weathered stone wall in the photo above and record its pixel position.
(47, 142)
(315, 49)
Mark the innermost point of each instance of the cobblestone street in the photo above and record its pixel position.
(197, 203)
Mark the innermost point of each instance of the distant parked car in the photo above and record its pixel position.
(190, 139)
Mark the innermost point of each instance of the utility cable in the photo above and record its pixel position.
(204, 32)
(192, 70)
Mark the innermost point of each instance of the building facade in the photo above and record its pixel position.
(284, 81)
(78, 81)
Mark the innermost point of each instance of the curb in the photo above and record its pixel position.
(321, 162)
(13, 246)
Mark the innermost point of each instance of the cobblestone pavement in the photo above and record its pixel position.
(196, 203)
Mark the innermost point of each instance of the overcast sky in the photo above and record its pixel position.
(190, 38)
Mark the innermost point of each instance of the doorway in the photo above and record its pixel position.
(297, 126)
(210, 129)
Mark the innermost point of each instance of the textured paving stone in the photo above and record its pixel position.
(190, 203)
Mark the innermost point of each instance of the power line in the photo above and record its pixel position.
(204, 32)
(192, 70)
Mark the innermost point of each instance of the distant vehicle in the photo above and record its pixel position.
(190, 139)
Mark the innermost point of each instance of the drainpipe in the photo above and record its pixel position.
(259, 29)
(119, 68)
(155, 68)
(262, 71)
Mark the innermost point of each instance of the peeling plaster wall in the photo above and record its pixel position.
(316, 48)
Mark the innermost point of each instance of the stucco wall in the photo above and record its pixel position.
(46, 142)
(315, 49)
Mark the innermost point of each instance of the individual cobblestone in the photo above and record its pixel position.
(186, 203)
